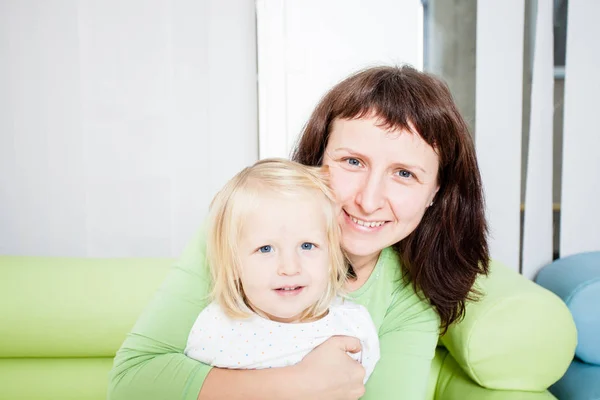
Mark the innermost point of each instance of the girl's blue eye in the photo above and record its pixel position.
(354, 162)
(307, 246)
(265, 249)
(405, 174)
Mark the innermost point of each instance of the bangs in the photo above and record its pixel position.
(251, 195)
(375, 96)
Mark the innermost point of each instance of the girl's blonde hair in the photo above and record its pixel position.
(237, 199)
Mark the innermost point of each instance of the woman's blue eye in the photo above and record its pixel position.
(405, 174)
(265, 249)
(307, 246)
(354, 162)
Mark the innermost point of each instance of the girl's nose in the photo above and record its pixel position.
(289, 265)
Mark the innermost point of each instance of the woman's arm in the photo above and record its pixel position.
(408, 337)
(151, 365)
(325, 373)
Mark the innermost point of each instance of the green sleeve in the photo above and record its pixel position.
(408, 337)
(150, 364)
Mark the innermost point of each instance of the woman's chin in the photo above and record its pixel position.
(357, 249)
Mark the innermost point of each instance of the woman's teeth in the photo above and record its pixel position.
(371, 224)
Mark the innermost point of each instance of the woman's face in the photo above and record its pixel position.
(384, 180)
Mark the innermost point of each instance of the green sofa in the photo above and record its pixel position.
(63, 319)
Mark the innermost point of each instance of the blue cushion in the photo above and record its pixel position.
(581, 382)
(576, 279)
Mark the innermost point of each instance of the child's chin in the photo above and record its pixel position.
(286, 318)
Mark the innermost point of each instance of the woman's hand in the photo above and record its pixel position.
(326, 373)
(330, 373)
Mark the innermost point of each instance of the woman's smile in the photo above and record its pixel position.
(363, 225)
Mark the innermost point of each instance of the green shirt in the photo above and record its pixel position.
(151, 364)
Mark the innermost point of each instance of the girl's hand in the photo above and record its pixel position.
(330, 373)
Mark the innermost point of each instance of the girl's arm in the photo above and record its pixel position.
(408, 337)
(151, 365)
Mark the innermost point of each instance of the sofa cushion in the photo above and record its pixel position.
(576, 279)
(72, 307)
(518, 336)
(581, 382)
(51, 379)
(453, 383)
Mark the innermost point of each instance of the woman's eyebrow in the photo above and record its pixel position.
(352, 153)
(348, 150)
(410, 167)
(344, 149)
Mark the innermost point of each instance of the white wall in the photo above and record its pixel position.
(580, 214)
(306, 46)
(499, 93)
(118, 119)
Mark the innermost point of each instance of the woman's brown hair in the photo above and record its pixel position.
(444, 255)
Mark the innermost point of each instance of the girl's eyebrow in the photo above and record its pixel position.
(401, 165)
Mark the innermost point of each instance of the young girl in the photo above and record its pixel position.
(278, 270)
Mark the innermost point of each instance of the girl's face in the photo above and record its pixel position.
(284, 255)
(384, 181)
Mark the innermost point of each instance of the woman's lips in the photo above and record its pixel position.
(362, 225)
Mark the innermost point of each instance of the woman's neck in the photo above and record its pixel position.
(363, 266)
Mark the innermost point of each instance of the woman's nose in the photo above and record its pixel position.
(370, 196)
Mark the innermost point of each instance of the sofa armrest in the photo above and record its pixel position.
(518, 336)
(453, 383)
(576, 280)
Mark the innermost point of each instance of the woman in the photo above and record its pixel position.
(402, 165)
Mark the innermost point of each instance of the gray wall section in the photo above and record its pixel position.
(559, 95)
(450, 35)
(528, 49)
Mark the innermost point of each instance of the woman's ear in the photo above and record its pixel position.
(432, 198)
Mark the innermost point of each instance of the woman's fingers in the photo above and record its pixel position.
(332, 373)
(347, 343)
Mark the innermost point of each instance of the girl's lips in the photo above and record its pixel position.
(289, 291)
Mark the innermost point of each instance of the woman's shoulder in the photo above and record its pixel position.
(390, 259)
(387, 274)
(393, 275)
(389, 298)
(407, 306)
